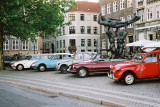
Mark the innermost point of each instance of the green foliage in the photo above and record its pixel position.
(30, 18)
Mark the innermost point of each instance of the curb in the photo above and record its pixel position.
(71, 95)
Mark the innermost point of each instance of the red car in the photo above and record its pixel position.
(97, 65)
(144, 65)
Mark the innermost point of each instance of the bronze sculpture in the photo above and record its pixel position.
(116, 23)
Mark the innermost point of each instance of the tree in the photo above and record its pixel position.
(25, 19)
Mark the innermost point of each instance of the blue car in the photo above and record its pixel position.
(43, 65)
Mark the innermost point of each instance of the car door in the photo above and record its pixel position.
(150, 66)
(100, 66)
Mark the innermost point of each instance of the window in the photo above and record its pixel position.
(95, 30)
(122, 4)
(122, 18)
(82, 42)
(141, 14)
(94, 17)
(25, 45)
(35, 45)
(60, 43)
(57, 44)
(82, 29)
(95, 42)
(158, 12)
(64, 43)
(82, 17)
(82, 50)
(129, 17)
(151, 58)
(103, 10)
(108, 8)
(88, 29)
(149, 14)
(72, 30)
(15, 44)
(72, 42)
(63, 30)
(6, 45)
(129, 3)
(71, 17)
(150, 36)
(115, 6)
(89, 42)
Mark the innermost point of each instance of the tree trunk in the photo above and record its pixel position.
(1, 47)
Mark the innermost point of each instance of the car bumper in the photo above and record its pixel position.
(110, 75)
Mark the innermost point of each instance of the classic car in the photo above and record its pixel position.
(8, 59)
(43, 65)
(144, 65)
(26, 63)
(79, 57)
(97, 65)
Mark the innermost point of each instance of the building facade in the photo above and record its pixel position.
(82, 35)
(149, 26)
(16, 46)
(119, 9)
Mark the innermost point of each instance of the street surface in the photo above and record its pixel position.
(11, 96)
(145, 92)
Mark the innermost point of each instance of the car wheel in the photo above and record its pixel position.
(20, 67)
(63, 69)
(41, 68)
(128, 78)
(82, 72)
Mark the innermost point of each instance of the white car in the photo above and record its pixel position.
(24, 64)
(83, 56)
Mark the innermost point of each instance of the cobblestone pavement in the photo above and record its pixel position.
(146, 88)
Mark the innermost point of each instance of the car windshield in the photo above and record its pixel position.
(97, 57)
(138, 57)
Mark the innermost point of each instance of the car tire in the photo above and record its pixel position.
(41, 68)
(63, 69)
(82, 72)
(128, 78)
(20, 67)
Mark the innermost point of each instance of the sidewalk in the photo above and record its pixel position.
(96, 95)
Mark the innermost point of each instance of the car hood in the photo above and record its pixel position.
(126, 64)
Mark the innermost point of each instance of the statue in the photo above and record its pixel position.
(116, 23)
(120, 42)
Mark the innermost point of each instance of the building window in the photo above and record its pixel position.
(64, 43)
(89, 42)
(63, 30)
(15, 44)
(57, 45)
(150, 36)
(128, 18)
(82, 42)
(25, 45)
(103, 10)
(71, 17)
(94, 17)
(129, 3)
(95, 30)
(149, 14)
(158, 12)
(82, 17)
(95, 42)
(141, 14)
(82, 50)
(6, 45)
(60, 43)
(108, 8)
(72, 42)
(88, 29)
(122, 18)
(115, 6)
(82, 29)
(34, 45)
(72, 30)
(122, 4)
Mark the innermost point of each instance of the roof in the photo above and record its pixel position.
(86, 7)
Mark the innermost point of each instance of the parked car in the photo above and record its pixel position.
(144, 65)
(79, 57)
(97, 65)
(8, 59)
(42, 65)
(26, 63)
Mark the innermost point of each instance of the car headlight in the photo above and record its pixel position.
(34, 65)
(12, 62)
(118, 68)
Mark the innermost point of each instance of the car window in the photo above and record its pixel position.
(35, 58)
(151, 58)
(87, 57)
(78, 57)
(43, 57)
(159, 57)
